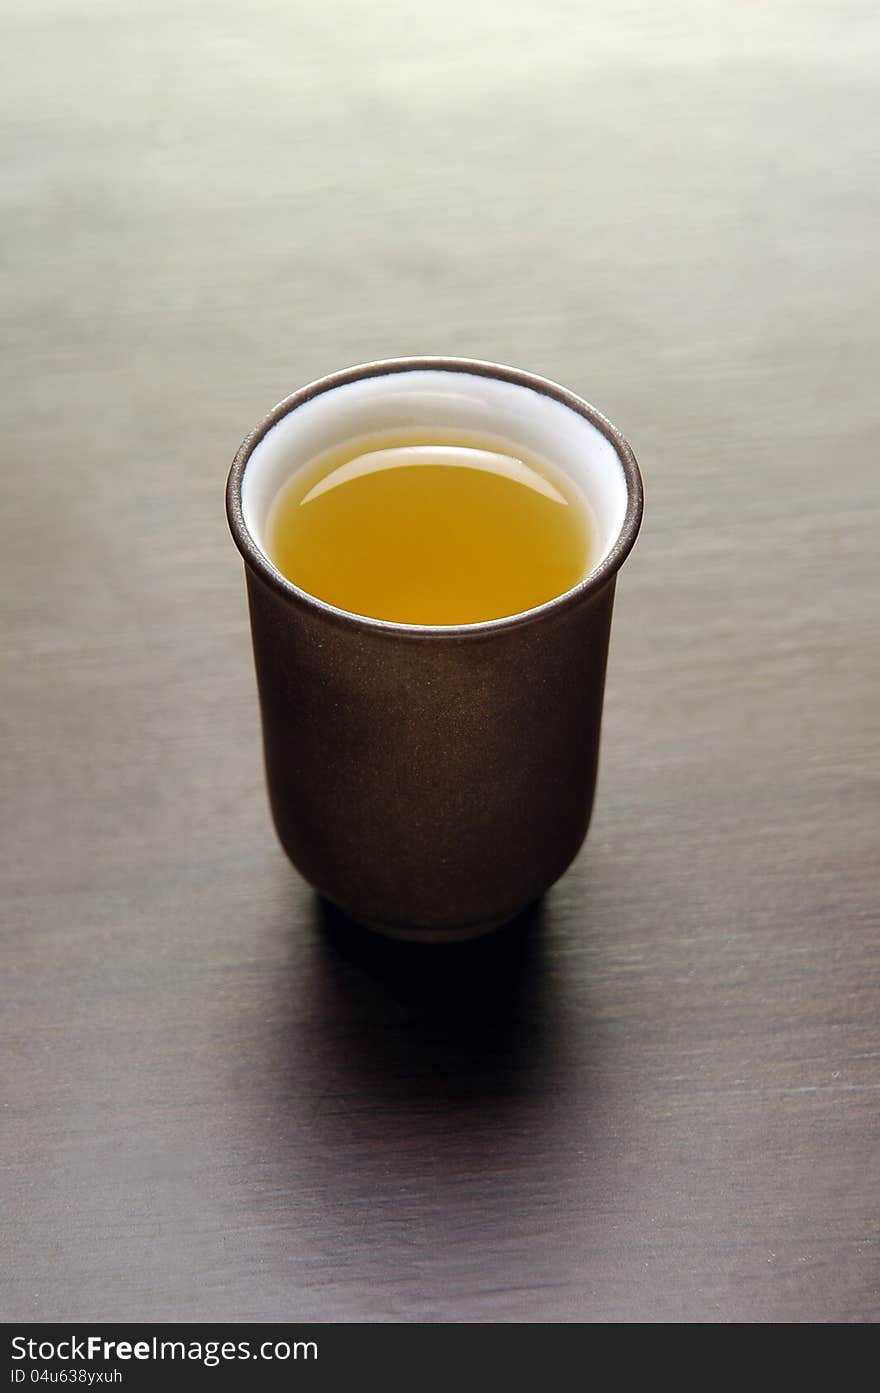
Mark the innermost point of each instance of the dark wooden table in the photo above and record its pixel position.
(658, 1101)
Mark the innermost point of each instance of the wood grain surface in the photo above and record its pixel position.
(657, 1100)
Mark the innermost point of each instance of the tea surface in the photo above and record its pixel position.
(430, 528)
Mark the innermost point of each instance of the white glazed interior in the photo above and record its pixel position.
(464, 401)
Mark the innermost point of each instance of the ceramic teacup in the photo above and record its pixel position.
(433, 780)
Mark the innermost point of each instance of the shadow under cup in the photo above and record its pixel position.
(432, 780)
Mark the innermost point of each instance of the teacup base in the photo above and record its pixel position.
(457, 935)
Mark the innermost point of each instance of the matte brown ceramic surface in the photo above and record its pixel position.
(430, 780)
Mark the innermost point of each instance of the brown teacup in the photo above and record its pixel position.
(432, 780)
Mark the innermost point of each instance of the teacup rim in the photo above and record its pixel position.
(256, 558)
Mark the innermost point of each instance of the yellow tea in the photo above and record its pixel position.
(430, 527)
